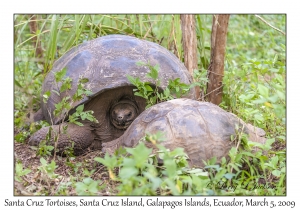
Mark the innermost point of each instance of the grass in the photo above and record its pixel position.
(254, 89)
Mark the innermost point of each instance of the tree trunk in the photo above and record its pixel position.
(216, 67)
(189, 40)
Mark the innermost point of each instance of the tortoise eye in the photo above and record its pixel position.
(129, 114)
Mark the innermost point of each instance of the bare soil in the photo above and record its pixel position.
(68, 170)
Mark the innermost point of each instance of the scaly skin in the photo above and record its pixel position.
(82, 136)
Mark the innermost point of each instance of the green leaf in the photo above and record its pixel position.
(263, 90)
(128, 172)
(87, 187)
(60, 74)
(66, 85)
(139, 94)
(129, 162)
(197, 172)
(213, 166)
(140, 154)
(153, 72)
(109, 161)
(280, 94)
(46, 96)
(276, 172)
(260, 101)
(179, 185)
(81, 188)
(170, 168)
(19, 167)
(83, 80)
(186, 179)
(131, 79)
(172, 186)
(43, 161)
(155, 181)
(17, 83)
(80, 108)
(167, 92)
(274, 160)
(78, 123)
(140, 63)
(229, 176)
(148, 88)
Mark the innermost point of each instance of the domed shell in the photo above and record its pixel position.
(106, 61)
(203, 129)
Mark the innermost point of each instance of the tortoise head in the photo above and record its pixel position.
(123, 113)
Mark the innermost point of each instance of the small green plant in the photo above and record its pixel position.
(263, 98)
(44, 149)
(110, 162)
(150, 91)
(88, 186)
(141, 171)
(20, 171)
(63, 188)
(159, 171)
(71, 162)
(22, 136)
(69, 150)
(48, 169)
(200, 79)
(62, 109)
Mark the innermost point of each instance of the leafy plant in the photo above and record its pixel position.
(62, 109)
(109, 162)
(164, 172)
(72, 164)
(150, 91)
(22, 136)
(63, 188)
(262, 99)
(48, 168)
(44, 149)
(19, 172)
(88, 186)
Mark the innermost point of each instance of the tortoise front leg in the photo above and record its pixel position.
(82, 136)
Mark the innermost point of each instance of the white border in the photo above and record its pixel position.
(153, 6)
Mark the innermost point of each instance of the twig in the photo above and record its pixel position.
(212, 91)
(58, 185)
(269, 24)
(215, 73)
(150, 28)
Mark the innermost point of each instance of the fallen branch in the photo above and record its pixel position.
(263, 20)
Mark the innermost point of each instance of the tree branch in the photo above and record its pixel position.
(263, 20)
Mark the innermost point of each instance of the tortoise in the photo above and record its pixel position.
(105, 62)
(202, 129)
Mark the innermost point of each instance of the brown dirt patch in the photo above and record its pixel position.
(69, 171)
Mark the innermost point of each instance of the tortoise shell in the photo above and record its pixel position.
(105, 62)
(203, 129)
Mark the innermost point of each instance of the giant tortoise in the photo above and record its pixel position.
(105, 62)
(203, 129)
